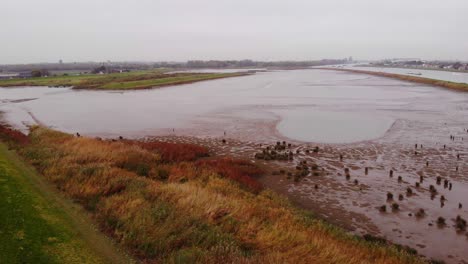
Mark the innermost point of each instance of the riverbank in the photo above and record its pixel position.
(462, 87)
(39, 226)
(413, 68)
(167, 202)
(348, 184)
(120, 81)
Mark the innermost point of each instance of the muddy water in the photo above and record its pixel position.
(373, 122)
(308, 105)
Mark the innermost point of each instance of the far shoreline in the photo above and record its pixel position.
(461, 87)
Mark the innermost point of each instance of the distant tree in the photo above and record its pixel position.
(39, 73)
(456, 65)
(36, 73)
(99, 69)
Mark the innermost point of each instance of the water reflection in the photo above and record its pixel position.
(309, 105)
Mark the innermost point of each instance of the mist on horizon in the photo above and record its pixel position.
(122, 30)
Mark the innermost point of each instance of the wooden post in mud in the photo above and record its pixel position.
(460, 206)
(389, 196)
(427, 163)
(400, 197)
(366, 170)
(391, 173)
(415, 146)
(341, 157)
(409, 191)
(78, 134)
(456, 168)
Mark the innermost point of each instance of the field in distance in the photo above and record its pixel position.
(118, 81)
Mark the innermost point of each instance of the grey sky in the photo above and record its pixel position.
(98, 30)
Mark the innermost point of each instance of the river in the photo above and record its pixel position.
(306, 105)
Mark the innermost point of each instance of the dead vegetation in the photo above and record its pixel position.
(206, 210)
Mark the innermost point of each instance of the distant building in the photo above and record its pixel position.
(25, 74)
(8, 75)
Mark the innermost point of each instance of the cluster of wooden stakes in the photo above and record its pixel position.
(460, 223)
(282, 151)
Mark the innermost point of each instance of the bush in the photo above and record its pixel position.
(9, 134)
(241, 171)
(175, 152)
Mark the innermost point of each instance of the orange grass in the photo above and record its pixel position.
(184, 212)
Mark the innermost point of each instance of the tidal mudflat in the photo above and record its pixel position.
(356, 121)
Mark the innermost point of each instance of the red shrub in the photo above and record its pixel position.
(238, 170)
(176, 152)
(7, 133)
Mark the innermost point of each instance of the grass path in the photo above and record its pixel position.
(37, 225)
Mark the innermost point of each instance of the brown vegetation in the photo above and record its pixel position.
(190, 211)
(8, 134)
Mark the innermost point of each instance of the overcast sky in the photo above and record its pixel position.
(177, 30)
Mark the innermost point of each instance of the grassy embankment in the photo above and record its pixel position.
(445, 84)
(37, 226)
(169, 203)
(118, 81)
(412, 68)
